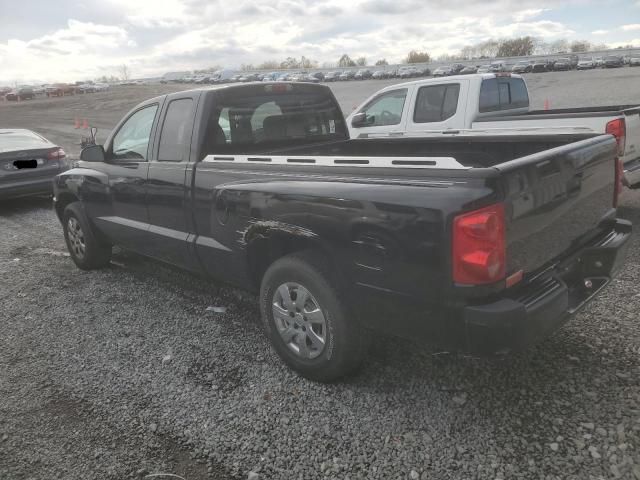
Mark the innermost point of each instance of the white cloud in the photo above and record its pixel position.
(530, 13)
(631, 27)
(153, 13)
(154, 36)
(72, 52)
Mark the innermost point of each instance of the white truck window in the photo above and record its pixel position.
(502, 93)
(386, 109)
(436, 103)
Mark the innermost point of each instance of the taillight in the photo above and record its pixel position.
(479, 246)
(617, 190)
(618, 129)
(56, 154)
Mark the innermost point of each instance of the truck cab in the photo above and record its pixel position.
(487, 104)
(439, 104)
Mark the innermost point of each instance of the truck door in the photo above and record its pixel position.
(121, 211)
(437, 107)
(167, 195)
(384, 114)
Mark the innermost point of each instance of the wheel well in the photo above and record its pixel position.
(265, 249)
(62, 201)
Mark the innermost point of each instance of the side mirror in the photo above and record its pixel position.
(93, 153)
(360, 120)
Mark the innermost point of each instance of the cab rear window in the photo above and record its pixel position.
(264, 117)
(503, 93)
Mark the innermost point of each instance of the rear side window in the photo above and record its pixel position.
(176, 131)
(436, 103)
(503, 93)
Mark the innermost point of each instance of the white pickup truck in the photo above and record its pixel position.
(490, 103)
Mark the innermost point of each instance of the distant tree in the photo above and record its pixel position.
(469, 52)
(269, 65)
(345, 61)
(381, 62)
(417, 57)
(449, 57)
(542, 47)
(247, 66)
(516, 47)
(559, 46)
(290, 63)
(579, 46)
(328, 65)
(213, 68)
(599, 46)
(489, 48)
(125, 73)
(308, 63)
(362, 61)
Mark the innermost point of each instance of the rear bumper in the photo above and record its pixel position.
(632, 173)
(41, 186)
(524, 318)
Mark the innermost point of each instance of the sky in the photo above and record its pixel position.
(68, 40)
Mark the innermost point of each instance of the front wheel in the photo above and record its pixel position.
(307, 320)
(87, 251)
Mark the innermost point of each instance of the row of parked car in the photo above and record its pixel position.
(408, 71)
(28, 92)
(575, 63)
(571, 62)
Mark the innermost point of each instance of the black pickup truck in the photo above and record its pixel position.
(484, 244)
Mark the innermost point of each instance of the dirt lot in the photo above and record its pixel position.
(55, 117)
(120, 373)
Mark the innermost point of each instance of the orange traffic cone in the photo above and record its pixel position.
(546, 104)
(77, 124)
(85, 125)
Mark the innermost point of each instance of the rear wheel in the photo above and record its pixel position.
(307, 320)
(87, 251)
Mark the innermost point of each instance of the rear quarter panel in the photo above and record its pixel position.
(386, 235)
(387, 232)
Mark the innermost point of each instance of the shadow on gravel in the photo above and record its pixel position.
(16, 206)
(67, 421)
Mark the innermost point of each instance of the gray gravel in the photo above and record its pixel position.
(122, 373)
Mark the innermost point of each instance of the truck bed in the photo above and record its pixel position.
(575, 112)
(557, 190)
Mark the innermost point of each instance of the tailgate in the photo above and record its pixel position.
(555, 199)
(632, 140)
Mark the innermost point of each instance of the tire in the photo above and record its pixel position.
(344, 341)
(87, 251)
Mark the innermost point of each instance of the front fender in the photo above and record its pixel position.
(68, 186)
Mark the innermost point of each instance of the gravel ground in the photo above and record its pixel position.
(121, 373)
